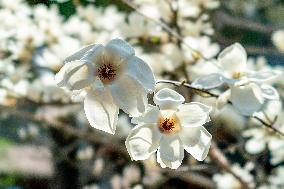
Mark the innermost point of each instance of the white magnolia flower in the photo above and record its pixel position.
(247, 91)
(170, 127)
(112, 77)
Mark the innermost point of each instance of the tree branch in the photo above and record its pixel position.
(173, 33)
(220, 159)
(54, 123)
(183, 83)
(223, 19)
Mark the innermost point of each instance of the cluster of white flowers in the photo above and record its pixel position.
(38, 37)
(111, 77)
(35, 42)
(247, 91)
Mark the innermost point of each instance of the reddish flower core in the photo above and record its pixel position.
(168, 125)
(106, 73)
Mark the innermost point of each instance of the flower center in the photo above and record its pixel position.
(168, 125)
(107, 73)
(237, 75)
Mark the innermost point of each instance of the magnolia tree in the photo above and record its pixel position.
(153, 85)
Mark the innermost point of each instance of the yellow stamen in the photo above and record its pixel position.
(169, 125)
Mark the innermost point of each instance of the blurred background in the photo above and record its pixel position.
(45, 139)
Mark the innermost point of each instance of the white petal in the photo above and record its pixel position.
(208, 82)
(193, 114)
(200, 150)
(101, 111)
(233, 58)
(74, 75)
(150, 116)
(122, 47)
(78, 55)
(94, 54)
(247, 99)
(255, 145)
(227, 79)
(77, 95)
(262, 76)
(171, 152)
(223, 99)
(168, 99)
(141, 71)
(129, 95)
(269, 92)
(189, 135)
(142, 141)
(97, 84)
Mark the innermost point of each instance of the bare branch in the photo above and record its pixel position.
(195, 52)
(66, 130)
(220, 159)
(223, 19)
(183, 83)
(269, 125)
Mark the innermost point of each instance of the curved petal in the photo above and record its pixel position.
(193, 114)
(262, 76)
(129, 95)
(199, 150)
(233, 58)
(79, 54)
(223, 99)
(269, 92)
(93, 54)
(190, 135)
(247, 99)
(168, 99)
(208, 82)
(101, 110)
(255, 145)
(142, 141)
(150, 116)
(74, 75)
(171, 152)
(139, 70)
(122, 47)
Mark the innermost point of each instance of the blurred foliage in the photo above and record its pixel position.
(68, 8)
(4, 144)
(8, 181)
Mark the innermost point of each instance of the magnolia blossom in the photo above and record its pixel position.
(112, 77)
(170, 127)
(247, 91)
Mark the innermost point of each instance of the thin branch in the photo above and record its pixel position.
(183, 83)
(269, 126)
(165, 27)
(220, 159)
(53, 123)
(223, 19)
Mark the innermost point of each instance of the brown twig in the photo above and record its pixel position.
(269, 125)
(65, 129)
(223, 19)
(220, 159)
(165, 27)
(183, 83)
